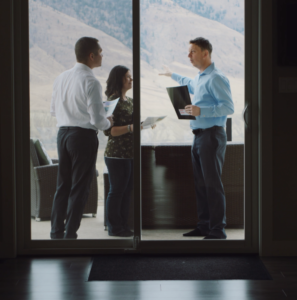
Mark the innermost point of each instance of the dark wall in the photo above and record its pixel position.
(7, 192)
(284, 128)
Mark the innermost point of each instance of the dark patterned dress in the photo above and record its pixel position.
(120, 146)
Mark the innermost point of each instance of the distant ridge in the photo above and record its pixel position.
(104, 14)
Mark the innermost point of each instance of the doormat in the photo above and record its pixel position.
(131, 267)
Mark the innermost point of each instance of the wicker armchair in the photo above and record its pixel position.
(43, 188)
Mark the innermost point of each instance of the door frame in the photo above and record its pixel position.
(26, 246)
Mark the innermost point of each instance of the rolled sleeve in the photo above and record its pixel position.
(95, 106)
(220, 90)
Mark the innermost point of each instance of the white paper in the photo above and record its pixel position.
(150, 121)
(109, 106)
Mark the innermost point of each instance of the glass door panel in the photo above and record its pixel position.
(55, 27)
(168, 191)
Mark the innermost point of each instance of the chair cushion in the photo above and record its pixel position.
(43, 156)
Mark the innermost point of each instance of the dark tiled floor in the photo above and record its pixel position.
(66, 278)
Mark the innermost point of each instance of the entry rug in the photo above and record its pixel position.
(131, 267)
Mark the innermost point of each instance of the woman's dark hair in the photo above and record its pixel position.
(115, 81)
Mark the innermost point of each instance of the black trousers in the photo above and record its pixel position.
(120, 173)
(208, 155)
(77, 151)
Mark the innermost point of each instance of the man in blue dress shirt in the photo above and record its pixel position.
(211, 104)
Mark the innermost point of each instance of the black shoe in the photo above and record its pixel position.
(195, 232)
(128, 231)
(213, 237)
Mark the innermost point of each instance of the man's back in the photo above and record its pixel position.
(76, 93)
(77, 105)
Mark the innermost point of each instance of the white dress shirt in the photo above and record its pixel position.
(77, 99)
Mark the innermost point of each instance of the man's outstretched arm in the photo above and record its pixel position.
(182, 80)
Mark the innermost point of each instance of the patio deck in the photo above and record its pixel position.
(93, 228)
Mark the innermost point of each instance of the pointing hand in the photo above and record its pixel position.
(167, 72)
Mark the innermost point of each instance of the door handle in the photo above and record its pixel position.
(245, 115)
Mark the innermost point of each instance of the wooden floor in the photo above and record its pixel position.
(66, 278)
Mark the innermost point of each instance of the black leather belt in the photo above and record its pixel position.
(71, 127)
(199, 130)
(76, 127)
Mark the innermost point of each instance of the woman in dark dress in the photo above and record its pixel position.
(118, 154)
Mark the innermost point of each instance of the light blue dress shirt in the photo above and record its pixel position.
(212, 93)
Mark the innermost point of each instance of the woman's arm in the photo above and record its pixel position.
(120, 130)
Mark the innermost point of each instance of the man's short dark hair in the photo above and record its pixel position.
(84, 46)
(203, 43)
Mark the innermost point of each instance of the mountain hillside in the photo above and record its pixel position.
(227, 12)
(165, 31)
(169, 28)
(114, 17)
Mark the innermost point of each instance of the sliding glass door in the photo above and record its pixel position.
(54, 29)
(169, 202)
(143, 36)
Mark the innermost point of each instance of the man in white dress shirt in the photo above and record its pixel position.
(77, 105)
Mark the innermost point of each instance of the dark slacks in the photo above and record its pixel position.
(120, 174)
(208, 154)
(77, 151)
